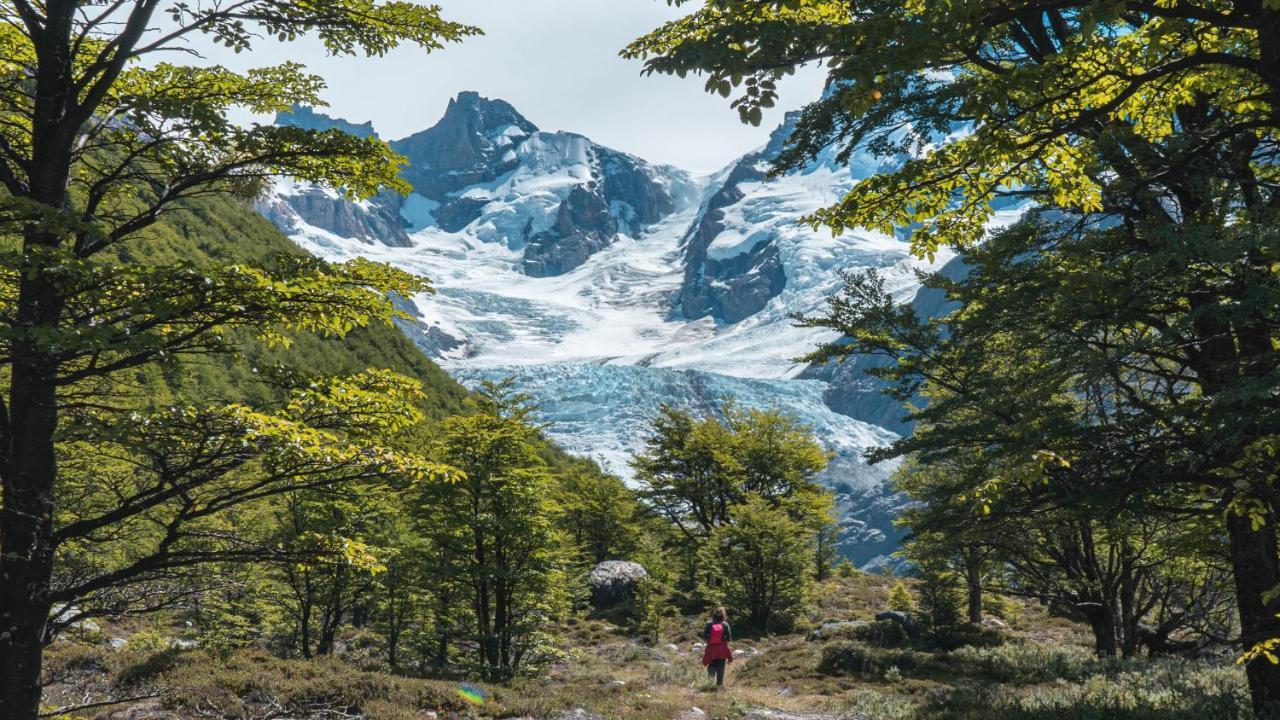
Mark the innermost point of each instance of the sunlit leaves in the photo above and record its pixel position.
(1040, 91)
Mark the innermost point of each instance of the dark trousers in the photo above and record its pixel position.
(716, 668)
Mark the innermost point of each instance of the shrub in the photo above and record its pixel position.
(883, 633)
(1028, 662)
(966, 635)
(900, 597)
(650, 610)
(940, 598)
(1000, 606)
(858, 659)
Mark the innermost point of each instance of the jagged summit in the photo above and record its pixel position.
(473, 143)
(484, 170)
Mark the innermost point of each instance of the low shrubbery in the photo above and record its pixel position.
(249, 683)
(1017, 682)
(851, 658)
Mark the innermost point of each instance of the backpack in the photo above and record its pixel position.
(717, 634)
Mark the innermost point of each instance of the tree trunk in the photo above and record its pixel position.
(973, 583)
(1256, 566)
(29, 469)
(1103, 624)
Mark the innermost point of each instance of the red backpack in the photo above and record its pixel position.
(717, 634)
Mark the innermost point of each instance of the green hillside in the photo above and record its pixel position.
(226, 230)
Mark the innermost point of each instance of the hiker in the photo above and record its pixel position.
(718, 653)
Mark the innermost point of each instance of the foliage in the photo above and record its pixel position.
(494, 556)
(599, 512)
(695, 473)
(1048, 97)
(1120, 346)
(101, 140)
(651, 610)
(900, 597)
(759, 564)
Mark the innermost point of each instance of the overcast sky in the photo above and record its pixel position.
(557, 62)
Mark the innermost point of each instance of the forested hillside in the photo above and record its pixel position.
(225, 230)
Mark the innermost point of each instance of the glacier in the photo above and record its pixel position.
(569, 267)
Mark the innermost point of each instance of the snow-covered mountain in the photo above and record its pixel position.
(608, 286)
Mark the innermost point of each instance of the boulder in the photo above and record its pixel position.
(906, 620)
(614, 581)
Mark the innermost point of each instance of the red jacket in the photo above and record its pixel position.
(717, 643)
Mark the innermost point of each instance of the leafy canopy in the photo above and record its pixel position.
(1083, 105)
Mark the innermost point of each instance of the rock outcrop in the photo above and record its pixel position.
(614, 581)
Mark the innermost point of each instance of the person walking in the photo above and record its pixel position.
(718, 654)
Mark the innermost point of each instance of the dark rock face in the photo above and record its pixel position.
(468, 146)
(732, 289)
(614, 581)
(458, 213)
(378, 222)
(582, 228)
(628, 180)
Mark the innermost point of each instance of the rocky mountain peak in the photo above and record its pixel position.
(473, 143)
(307, 118)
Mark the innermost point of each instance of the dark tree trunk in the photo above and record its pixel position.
(1103, 624)
(29, 469)
(973, 584)
(1256, 566)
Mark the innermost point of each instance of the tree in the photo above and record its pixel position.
(760, 564)
(493, 533)
(1156, 122)
(900, 597)
(938, 595)
(599, 512)
(693, 472)
(689, 472)
(98, 144)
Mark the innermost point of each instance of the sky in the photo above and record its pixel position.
(557, 62)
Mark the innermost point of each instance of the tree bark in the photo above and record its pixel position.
(1256, 565)
(26, 519)
(973, 583)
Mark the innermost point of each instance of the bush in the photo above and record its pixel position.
(247, 683)
(1148, 690)
(650, 612)
(858, 659)
(1028, 662)
(967, 635)
(883, 633)
(1000, 606)
(940, 599)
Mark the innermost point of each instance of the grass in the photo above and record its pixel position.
(1041, 670)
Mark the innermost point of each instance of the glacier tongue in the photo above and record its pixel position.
(603, 412)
